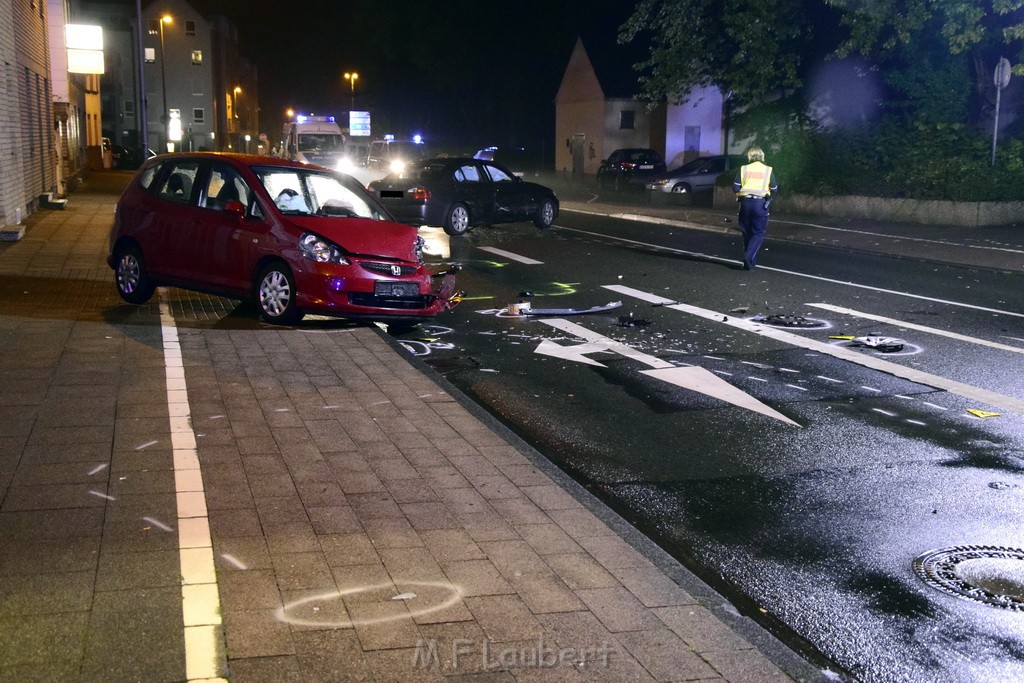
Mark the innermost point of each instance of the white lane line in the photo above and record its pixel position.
(935, 405)
(205, 647)
(831, 379)
(916, 422)
(884, 412)
(966, 390)
(901, 238)
(515, 257)
(915, 326)
(794, 386)
(819, 278)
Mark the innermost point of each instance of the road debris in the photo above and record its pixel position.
(573, 311)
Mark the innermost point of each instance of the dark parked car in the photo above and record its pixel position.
(625, 165)
(696, 176)
(128, 158)
(460, 192)
(295, 238)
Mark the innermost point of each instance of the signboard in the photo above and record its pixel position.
(85, 48)
(359, 123)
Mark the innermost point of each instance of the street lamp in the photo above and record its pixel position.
(351, 78)
(164, 118)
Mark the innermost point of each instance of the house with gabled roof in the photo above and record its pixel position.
(597, 112)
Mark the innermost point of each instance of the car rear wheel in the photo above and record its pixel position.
(276, 294)
(133, 283)
(545, 215)
(457, 220)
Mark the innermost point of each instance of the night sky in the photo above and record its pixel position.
(460, 72)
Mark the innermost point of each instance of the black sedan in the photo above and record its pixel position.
(459, 193)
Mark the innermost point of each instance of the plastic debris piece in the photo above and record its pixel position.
(879, 343)
(404, 596)
(574, 311)
(740, 309)
(525, 293)
(981, 413)
(847, 337)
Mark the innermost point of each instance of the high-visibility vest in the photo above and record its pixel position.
(755, 179)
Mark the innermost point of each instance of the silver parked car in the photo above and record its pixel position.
(697, 176)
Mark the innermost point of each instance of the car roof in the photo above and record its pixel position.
(239, 158)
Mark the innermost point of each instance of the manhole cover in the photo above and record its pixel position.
(988, 574)
(783, 320)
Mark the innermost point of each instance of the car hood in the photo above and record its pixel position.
(363, 236)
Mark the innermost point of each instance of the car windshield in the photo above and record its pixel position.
(423, 169)
(324, 142)
(302, 192)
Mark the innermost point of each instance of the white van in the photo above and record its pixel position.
(313, 140)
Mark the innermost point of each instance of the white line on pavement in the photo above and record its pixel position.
(974, 393)
(205, 653)
(900, 237)
(915, 326)
(515, 257)
(819, 278)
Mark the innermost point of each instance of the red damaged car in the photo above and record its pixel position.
(295, 238)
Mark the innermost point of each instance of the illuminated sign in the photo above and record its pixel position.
(359, 123)
(85, 48)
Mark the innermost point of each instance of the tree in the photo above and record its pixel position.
(936, 52)
(753, 49)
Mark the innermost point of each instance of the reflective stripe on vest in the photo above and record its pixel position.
(755, 179)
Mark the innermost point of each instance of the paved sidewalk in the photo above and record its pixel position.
(186, 493)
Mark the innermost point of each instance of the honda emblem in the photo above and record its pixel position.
(396, 270)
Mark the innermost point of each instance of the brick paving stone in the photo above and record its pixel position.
(665, 656)
(745, 665)
(618, 609)
(259, 669)
(341, 550)
(700, 629)
(252, 589)
(545, 592)
(612, 552)
(296, 571)
(256, 633)
(477, 577)
(383, 625)
(239, 553)
(652, 587)
(451, 545)
(580, 571)
(333, 656)
(504, 618)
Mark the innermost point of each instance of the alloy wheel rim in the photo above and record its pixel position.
(548, 212)
(460, 219)
(275, 293)
(128, 274)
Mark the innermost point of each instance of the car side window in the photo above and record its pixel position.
(178, 186)
(467, 174)
(149, 175)
(225, 185)
(716, 165)
(497, 175)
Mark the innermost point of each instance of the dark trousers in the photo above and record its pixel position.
(753, 225)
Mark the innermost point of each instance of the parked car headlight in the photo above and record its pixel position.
(662, 183)
(418, 249)
(397, 166)
(320, 250)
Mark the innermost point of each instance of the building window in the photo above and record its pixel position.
(627, 120)
(190, 28)
(150, 55)
(154, 27)
(197, 57)
(198, 116)
(129, 107)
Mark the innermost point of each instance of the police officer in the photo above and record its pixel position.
(754, 186)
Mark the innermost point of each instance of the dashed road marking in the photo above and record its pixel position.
(515, 257)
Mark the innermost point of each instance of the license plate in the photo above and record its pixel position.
(644, 167)
(391, 194)
(393, 289)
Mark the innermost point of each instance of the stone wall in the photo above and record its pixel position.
(927, 212)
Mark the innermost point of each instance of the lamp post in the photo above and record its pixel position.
(234, 111)
(164, 118)
(351, 78)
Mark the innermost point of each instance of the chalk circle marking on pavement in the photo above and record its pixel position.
(284, 614)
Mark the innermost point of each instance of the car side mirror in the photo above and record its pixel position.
(235, 208)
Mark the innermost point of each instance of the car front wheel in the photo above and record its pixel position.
(133, 283)
(545, 215)
(276, 294)
(457, 220)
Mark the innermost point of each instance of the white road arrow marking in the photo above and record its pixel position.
(692, 377)
(920, 377)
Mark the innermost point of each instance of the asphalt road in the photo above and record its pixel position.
(798, 473)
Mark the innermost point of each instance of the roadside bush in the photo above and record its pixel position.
(936, 161)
